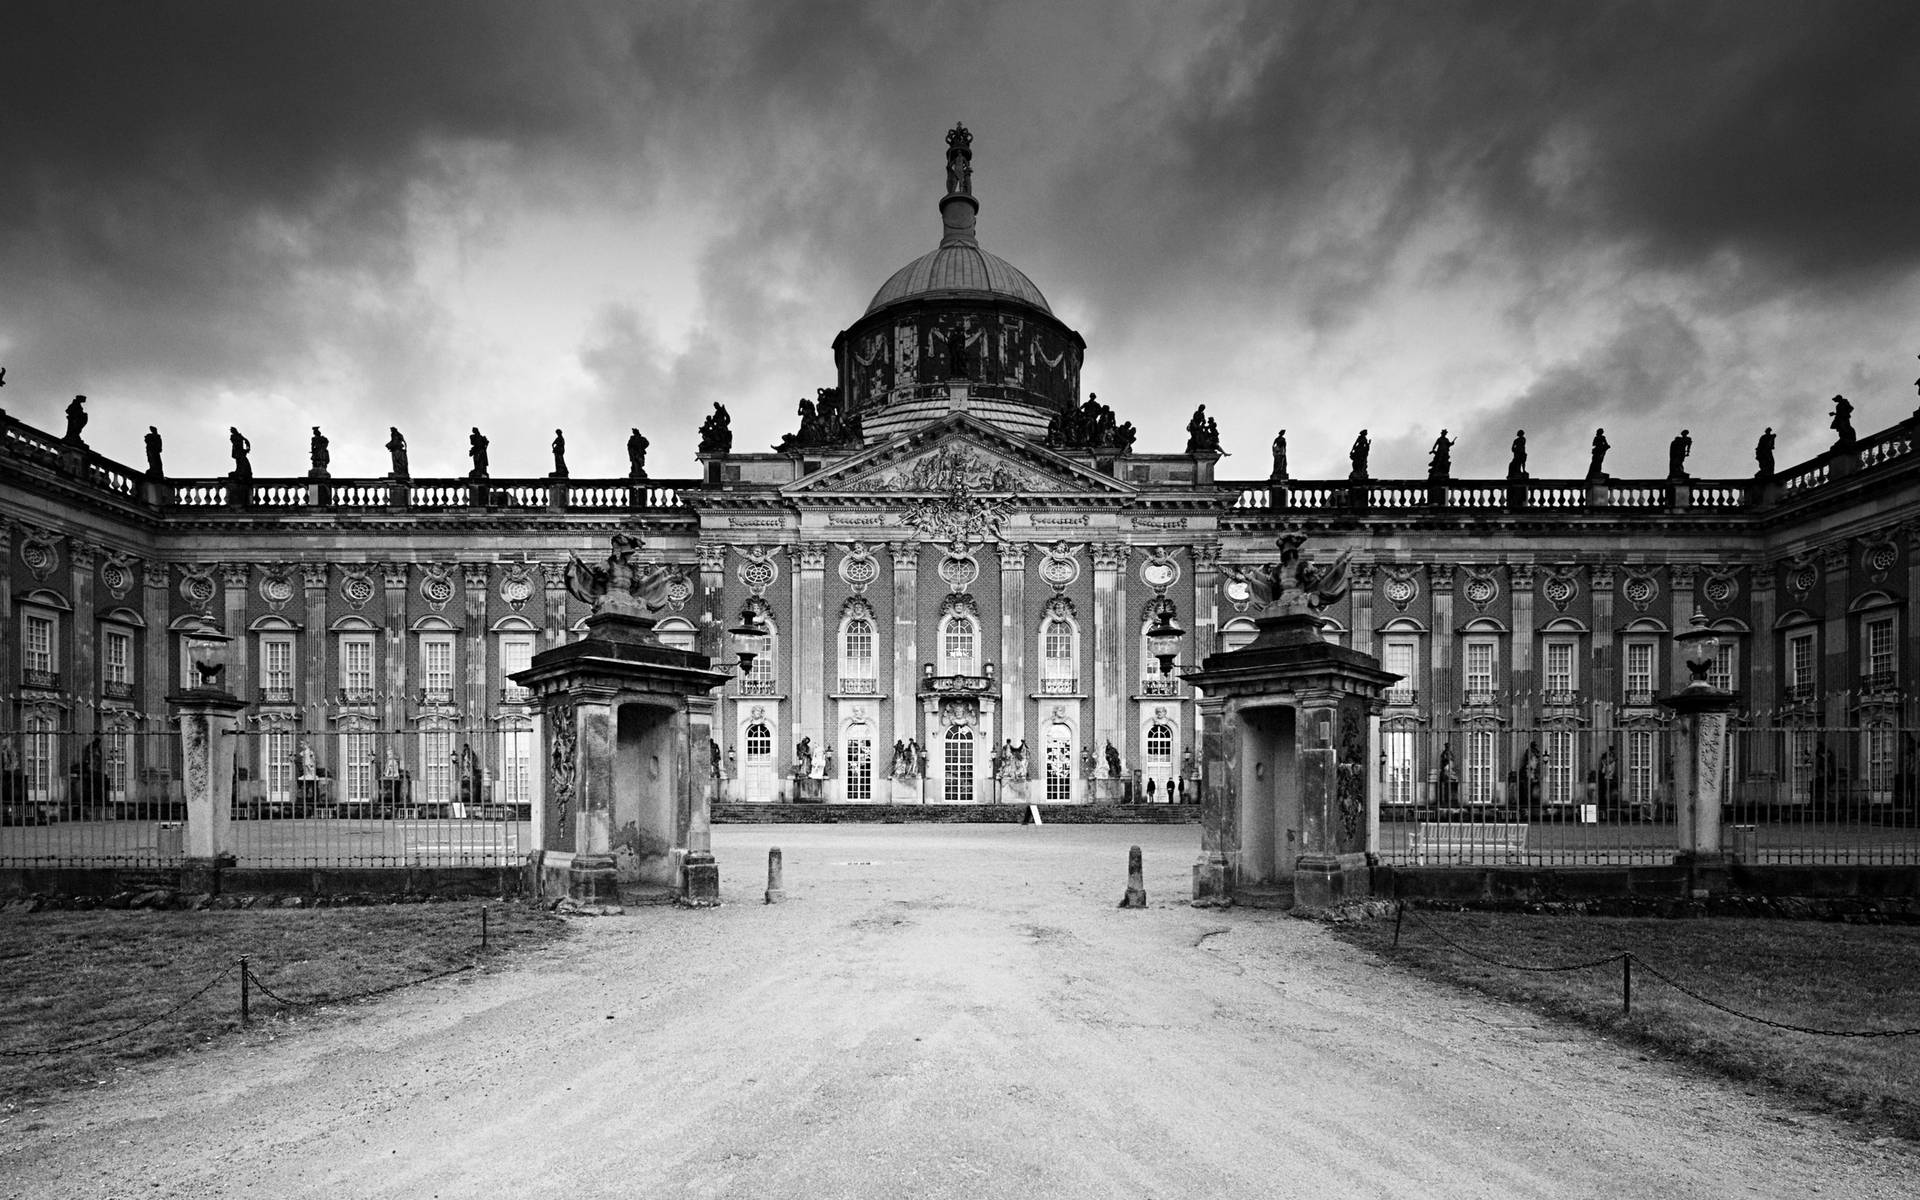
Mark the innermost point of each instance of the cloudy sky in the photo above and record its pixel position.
(1322, 216)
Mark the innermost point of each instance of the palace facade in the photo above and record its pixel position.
(956, 559)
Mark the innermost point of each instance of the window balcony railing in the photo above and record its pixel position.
(117, 689)
(1062, 686)
(1403, 696)
(1480, 698)
(1880, 681)
(1561, 697)
(859, 685)
(276, 695)
(356, 695)
(34, 678)
(1799, 693)
(1159, 685)
(1639, 698)
(756, 687)
(435, 695)
(515, 695)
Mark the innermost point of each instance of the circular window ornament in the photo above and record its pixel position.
(437, 590)
(1803, 577)
(1720, 589)
(859, 570)
(516, 590)
(1480, 591)
(1238, 591)
(679, 591)
(1059, 570)
(958, 571)
(1400, 591)
(198, 589)
(1559, 591)
(40, 557)
(356, 589)
(276, 589)
(1881, 557)
(1640, 590)
(756, 575)
(117, 578)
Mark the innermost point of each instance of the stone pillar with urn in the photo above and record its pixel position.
(1700, 762)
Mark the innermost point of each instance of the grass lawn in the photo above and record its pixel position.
(1811, 974)
(85, 977)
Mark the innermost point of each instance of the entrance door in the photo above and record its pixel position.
(1059, 762)
(756, 773)
(958, 788)
(858, 756)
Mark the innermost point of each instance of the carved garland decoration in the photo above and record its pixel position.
(561, 765)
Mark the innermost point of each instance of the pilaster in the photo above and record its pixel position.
(396, 699)
(478, 701)
(316, 674)
(236, 576)
(904, 715)
(1525, 678)
(1606, 673)
(811, 663)
(1110, 642)
(1836, 648)
(1444, 701)
(83, 665)
(157, 656)
(1014, 641)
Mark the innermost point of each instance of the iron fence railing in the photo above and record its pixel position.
(106, 798)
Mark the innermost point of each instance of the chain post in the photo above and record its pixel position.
(1626, 985)
(483, 927)
(1399, 915)
(244, 971)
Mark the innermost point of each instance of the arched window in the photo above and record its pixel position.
(858, 756)
(1059, 761)
(1159, 743)
(856, 653)
(959, 763)
(959, 645)
(1238, 633)
(1059, 657)
(677, 632)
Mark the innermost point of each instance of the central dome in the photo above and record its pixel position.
(959, 268)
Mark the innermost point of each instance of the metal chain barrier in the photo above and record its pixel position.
(1627, 959)
(351, 996)
(101, 1041)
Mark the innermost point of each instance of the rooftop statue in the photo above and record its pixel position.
(1280, 455)
(559, 454)
(1763, 454)
(397, 447)
(477, 444)
(1517, 467)
(959, 160)
(636, 455)
(1677, 452)
(1440, 458)
(317, 451)
(1597, 465)
(154, 470)
(716, 432)
(1843, 437)
(1362, 446)
(623, 583)
(1203, 433)
(76, 419)
(241, 447)
(1295, 584)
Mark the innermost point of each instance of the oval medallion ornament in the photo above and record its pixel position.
(756, 575)
(276, 589)
(1720, 589)
(516, 590)
(1640, 590)
(356, 590)
(1059, 570)
(1480, 591)
(1559, 591)
(117, 578)
(959, 571)
(1158, 573)
(1400, 591)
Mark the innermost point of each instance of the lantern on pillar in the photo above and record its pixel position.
(206, 648)
(746, 635)
(1165, 635)
(1699, 649)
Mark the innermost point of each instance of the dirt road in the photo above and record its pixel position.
(940, 1012)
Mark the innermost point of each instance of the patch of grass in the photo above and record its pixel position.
(108, 990)
(1809, 974)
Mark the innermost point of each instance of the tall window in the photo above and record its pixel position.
(118, 762)
(39, 761)
(358, 767)
(356, 668)
(761, 678)
(38, 642)
(277, 747)
(1058, 673)
(856, 657)
(1398, 657)
(1397, 745)
(436, 667)
(1558, 675)
(436, 763)
(1159, 764)
(1801, 676)
(1562, 755)
(1638, 679)
(958, 650)
(116, 662)
(516, 654)
(516, 766)
(1878, 747)
(1154, 681)
(1878, 662)
(1059, 761)
(1480, 670)
(958, 788)
(276, 668)
(1481, 765)
(859, 759)
(1640, 766)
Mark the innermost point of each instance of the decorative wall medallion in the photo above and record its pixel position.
(959, 603)
(1561, 587)
(40, 551)
(1058, 607)
(1802, 575)
(1640, 591)
(1238, 594)
(435, 587)
(1720, 588)
(858, 567)
(1879, 558)
(959, 569)
(1481, 589)
(516, 585)
(356, 585)
(758, 572)
(959, 710)
(1059, 566)
(117, 574)
(679, 591)
(197, 586)
(1159, 571)
(276, 587)
(1400, 588)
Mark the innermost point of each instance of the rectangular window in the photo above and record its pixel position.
(356, 668)
(958, 754)
(117, 753)
(1800, 761)
(516, 766)
(761, 677)
(360, 766)
(278, 767)
(1877, 659)
(1480, 671)
(1801, 676)
(116, 656)
(1480, 768)
(516, 654)
(1879, 748)
(1640, 766)
(1398, 657)
(436, 668)
(1561, 682)
(957, 646)
(37, 643)
(39, 760)
(859, 768)
(1057, 674)
(1722, 674)
(1401, 768)
(1562, 756)
(276, 669)
(1638, 679)
(436, 764)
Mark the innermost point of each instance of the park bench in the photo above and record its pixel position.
(1441, 842)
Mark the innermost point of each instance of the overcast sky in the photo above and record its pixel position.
(1483, 216)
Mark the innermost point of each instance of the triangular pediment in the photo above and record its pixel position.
(956, 451)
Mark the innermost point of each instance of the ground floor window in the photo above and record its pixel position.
(436, 764)
(1879, 755)
(958, 761)
(1397, 746)
(1640, 766)
(1800, 755)
(859, 757)
(1481, 765)
(1562, 759)
(39, 759)
(1059, 763)
(516, 766)
(117, 752)
(278, 767)
(358, 765)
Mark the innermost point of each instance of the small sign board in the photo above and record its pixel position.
(1589, 814)
(1033, 815)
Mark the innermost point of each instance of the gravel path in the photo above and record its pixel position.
(939, 1011)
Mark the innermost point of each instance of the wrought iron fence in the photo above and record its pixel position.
(1573, 793)
(103, 798)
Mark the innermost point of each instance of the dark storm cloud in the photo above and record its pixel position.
(1309, 142)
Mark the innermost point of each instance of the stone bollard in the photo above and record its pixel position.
(1136, 896)
(775, 892)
